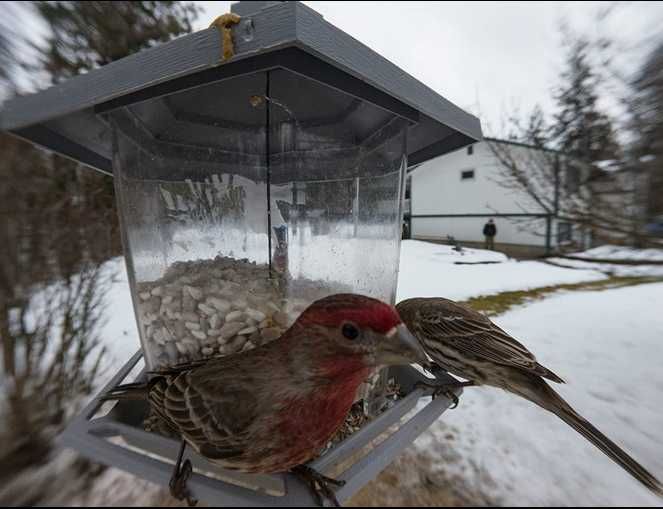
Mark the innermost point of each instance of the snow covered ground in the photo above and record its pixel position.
(429, 270)
(608, 346)
(119, 332)
(611, 268)
(609, 252)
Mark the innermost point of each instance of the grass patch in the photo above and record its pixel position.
(501, 302)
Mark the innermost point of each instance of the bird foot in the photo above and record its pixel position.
(444, 389)
(319, 484)
(181, 474)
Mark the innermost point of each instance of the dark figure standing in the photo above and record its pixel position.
(489, 232)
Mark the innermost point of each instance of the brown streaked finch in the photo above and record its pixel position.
(273, 408)
(467, 344)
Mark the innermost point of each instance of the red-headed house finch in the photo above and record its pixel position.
(274, 408)
(467, 344)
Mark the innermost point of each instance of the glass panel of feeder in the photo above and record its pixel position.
(227, 242)
(336, 166)
(191, 183)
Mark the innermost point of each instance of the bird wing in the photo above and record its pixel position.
(210, 404)
(469, 332)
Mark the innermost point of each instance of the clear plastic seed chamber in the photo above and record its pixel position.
(244, 201)
(247, 189)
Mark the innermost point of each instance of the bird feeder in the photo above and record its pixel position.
(259, 165)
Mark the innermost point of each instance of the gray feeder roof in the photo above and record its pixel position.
(66, 118)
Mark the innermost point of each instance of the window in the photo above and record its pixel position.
(467, 175)
(470, 150)
(564, 231)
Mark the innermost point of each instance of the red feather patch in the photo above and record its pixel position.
(366, 312)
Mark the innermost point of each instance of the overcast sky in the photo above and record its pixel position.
(487, 57)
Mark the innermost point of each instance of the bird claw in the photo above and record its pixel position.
(177, 484)
(319, 484)
(444, 389)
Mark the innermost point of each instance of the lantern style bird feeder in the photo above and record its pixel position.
(259, 165)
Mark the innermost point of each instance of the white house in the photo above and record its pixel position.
(455, 195)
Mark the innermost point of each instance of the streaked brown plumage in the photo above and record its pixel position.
(272, 408)
(467, 344)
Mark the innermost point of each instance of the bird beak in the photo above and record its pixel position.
(399, 346)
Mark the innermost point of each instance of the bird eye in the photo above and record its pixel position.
(350, 331)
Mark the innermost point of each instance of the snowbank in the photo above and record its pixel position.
(609, 252)
(612, 268)
(429, 270)
(119, 333)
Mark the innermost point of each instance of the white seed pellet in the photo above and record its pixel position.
(188, 303)
(199, 334)
(214, 332)
(237, 344)
(196, 293)
(209, 311)
(152, 305)
(248, 330)
(219, 304)
(207, 351)
(234, 316)
(256, 315)
(215, 321)
(239, 304)
(157, 290)
(192, 325)
(230, 329)
(145, 295)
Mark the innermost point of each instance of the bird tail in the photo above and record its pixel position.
(554, 403)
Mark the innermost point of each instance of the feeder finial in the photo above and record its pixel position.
(224, 24)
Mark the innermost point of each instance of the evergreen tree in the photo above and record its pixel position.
(85, 35)
(647, 109)
(580, 129)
